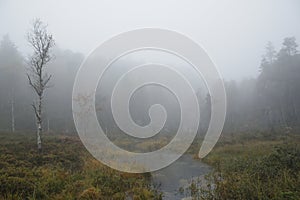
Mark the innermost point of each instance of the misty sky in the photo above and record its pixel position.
(233, 32)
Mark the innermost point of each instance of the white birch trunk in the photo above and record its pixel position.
(12, 115)
(12, 112)
(39, 141)
(39, 123)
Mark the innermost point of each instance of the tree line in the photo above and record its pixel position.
(266, 102)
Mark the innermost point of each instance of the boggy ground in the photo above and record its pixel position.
(252, 166)
(63, 170)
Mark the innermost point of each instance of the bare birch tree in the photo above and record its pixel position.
(41, 42)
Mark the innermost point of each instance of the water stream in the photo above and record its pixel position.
(179, 174)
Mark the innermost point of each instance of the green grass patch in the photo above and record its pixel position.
(252, 168)
(63, 170)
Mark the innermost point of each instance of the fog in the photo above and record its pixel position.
(262, 93)
(195, 99)
(234, 33)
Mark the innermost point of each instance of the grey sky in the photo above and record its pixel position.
(233, 32)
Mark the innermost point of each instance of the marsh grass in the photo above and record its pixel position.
(63, 170)
(252, 167)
